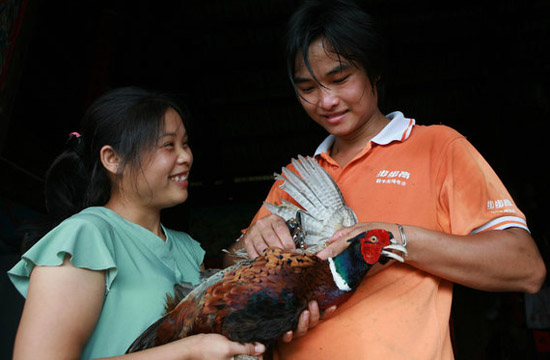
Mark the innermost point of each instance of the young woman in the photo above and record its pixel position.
(98, 278)
(458, 221)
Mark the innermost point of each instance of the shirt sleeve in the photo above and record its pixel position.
(472, 195)
(88, 246)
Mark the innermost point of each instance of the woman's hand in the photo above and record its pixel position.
(308, 319)
(216, 347)
(197, 347)
(270, 231)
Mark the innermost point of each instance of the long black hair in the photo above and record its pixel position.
(129, 119)
(347, 30)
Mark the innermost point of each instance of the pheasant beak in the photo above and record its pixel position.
(394, 245)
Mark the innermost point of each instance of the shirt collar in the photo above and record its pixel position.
(398, 129)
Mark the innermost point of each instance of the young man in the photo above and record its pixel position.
(461, 224)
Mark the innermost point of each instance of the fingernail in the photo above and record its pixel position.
(259, 348)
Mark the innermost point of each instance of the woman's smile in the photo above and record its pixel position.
(180, 179)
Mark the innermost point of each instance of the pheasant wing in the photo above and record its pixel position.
(322, 206)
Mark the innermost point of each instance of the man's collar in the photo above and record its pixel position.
(398, 129)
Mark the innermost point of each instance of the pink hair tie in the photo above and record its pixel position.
(74, 142)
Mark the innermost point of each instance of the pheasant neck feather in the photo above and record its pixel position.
(348, 268)
(338, 279)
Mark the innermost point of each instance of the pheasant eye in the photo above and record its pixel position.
(373, 239)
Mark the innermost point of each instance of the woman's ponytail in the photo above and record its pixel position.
(64, 191)
(67, 181)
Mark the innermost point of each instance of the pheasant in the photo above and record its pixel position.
(258, 300)
(261, 299)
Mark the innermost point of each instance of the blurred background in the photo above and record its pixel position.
(481, 67)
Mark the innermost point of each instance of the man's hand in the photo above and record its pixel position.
(270, 231)
(308, 319)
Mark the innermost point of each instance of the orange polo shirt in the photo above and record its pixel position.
(428, 176)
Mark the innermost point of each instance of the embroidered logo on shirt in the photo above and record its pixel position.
(395, 177)
(504, 205)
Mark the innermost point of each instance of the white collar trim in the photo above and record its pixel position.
(398, 129)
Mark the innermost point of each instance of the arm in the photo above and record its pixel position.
(497, 260)
(50, 324)
(62, 308)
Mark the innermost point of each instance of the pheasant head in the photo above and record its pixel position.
(365, 250)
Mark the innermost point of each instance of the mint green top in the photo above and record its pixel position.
(140, 270)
